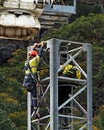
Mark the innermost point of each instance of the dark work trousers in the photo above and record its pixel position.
(34, 96)
(30, 85)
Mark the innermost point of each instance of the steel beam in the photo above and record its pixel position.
(54, 48)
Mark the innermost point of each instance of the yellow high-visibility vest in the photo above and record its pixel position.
(70, 69)
(33, 63)
(67, 68)
(78, 74)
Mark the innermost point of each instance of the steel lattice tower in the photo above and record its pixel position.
(77, 108)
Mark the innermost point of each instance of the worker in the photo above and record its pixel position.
(65, 89)
(71, 71)
(30, 79)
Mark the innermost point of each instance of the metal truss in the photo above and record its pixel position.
(75, 112)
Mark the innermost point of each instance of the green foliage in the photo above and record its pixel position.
(22, 128)
(98, 121)
(13, 96)
(84, 7)
(8, 104)
(13, 87)
(19, 118)
(84, 29)
(17, 57)
(5, 122)
(16, 64)
(98, 53)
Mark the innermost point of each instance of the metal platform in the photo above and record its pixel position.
(65, 80)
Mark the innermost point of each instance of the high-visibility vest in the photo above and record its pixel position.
(33, 63)
(67, 69)
(78, 74)
(71, 70)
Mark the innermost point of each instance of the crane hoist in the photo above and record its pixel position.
(22, 19)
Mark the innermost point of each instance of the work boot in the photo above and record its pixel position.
(36, 113)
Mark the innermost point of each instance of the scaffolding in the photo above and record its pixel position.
(75, 112)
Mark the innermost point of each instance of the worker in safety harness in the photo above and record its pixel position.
(71, 71)
(31, 80)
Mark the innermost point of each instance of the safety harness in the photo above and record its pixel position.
(30, 71)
